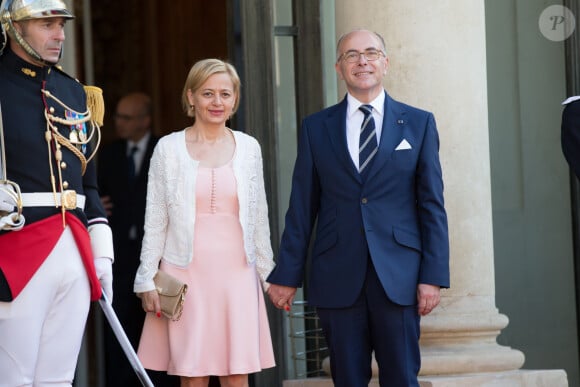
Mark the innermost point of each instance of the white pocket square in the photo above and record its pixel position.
(403, 145)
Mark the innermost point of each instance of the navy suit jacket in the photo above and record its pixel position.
(571, 135)
(128, 199)
(396, 214)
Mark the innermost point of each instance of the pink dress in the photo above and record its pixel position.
(224, 327)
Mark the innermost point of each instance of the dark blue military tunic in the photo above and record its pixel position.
(27, 153)
(29, 158)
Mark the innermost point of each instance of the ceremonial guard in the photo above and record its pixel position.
(56, 248)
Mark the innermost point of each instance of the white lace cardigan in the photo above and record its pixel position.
(170, 211)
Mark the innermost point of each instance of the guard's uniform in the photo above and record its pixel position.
(41, 328)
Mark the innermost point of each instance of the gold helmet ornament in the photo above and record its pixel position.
(12, 11)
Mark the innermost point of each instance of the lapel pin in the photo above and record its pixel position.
(400, 122)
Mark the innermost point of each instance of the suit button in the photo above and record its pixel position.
(364, 200)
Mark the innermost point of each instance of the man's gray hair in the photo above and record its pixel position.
(343, 36)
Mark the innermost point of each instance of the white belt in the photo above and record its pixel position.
(68, 199)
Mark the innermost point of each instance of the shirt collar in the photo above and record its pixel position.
(141, 144)
(354, 104)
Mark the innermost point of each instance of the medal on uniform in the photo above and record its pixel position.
(78, 131)
(73, 137)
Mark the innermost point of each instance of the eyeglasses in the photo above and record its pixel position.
(127, 117)
(354, 56)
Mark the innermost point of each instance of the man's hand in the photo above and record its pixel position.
(428, 297)
(7, 198)
(104, 270)
(281, 296)
(107, 204)
(9, 218)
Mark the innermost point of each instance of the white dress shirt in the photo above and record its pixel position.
(354, 119)
(141, 146)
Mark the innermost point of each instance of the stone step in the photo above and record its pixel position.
(519, 378)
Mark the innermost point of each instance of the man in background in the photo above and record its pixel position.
(571, 133)
(122, 176)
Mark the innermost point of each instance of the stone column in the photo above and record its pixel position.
(437, 57)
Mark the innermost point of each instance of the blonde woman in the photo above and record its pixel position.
(206, 223)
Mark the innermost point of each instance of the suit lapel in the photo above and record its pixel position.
(393, 121)
(335, 126)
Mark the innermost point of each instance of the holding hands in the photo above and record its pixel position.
(281, 296)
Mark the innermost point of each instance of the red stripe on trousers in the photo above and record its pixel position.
(23, 252)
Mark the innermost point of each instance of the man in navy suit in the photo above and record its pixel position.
(123, 166)
(381, 252)
(571, 133)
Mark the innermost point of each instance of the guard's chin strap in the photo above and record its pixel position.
(11, 31)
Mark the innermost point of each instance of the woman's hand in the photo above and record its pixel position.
(281, 296)
(150, 302)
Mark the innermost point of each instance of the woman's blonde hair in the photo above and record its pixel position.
(200, 72)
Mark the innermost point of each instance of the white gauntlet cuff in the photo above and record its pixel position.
(102, 241)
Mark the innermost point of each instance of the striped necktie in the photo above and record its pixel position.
(368, 140)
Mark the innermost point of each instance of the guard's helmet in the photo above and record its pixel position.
(18, 10)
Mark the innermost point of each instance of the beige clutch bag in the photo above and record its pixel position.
(171, 294)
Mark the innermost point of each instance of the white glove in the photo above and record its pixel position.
(9, 218)
(7, 198)
(12, 222)
(104, 269)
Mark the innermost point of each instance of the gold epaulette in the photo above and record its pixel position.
(95, 103)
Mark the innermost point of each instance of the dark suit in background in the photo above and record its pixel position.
(123, 195)
(381, 251)
(571, 133)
